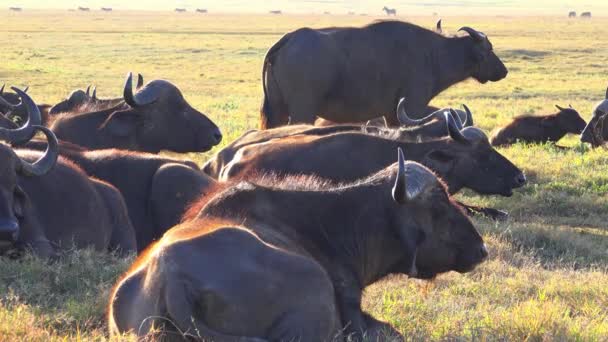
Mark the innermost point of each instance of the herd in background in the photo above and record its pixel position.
(278, 234)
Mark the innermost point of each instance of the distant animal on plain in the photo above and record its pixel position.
(180, 10)
(276, 12)
(586, 15)
(327, 13)
(106, 9)
(351, 13)
(201, 10)
(15, 9)
(390, 11)
(400, 54)
(596, 132)
(84, 9)
(572, 14)
(438, 27)
(540, 128)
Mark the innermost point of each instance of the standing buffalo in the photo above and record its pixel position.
(586, 15)
(288, 260)
(356, 74)
(46, 204)
(572, 14)
(155, 118)
(540, 129)
(596, 132)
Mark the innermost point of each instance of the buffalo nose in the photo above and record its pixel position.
(9, 230)
(520, 180)
(217, 136)
(483, 252)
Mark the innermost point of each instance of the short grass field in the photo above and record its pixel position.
(547, 277)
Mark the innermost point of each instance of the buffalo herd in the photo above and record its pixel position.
(277, 235)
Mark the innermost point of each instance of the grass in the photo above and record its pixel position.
(547, 277)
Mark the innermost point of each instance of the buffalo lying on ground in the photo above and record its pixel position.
(276, 12)
(157, 190)
(540, 129)
(84, 9)
(155, 118)
(596, 132)
(356, 74)
(16, 111)
(80, 101)
(47, 205)
(180, 10)
(264, 261)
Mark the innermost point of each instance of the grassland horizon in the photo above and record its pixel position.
(547, 276)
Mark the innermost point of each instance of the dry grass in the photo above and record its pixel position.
(546, 279)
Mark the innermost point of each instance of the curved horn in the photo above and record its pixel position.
(438, 26)
(406, 121)
(26, 89)
(140, 81)
(144, 97)
(94, 96)
(48, 160)
(8, 104)
(478, 36)
(453, 130)
(560, 107)
(570, 105)
(469, 120)
(400, 188)
(457, 118)
(2, 89)
(27, 131)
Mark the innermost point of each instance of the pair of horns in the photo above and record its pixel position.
(144, 97)
(412, 180)
(405, 120)
(478, 36)
(94, 95)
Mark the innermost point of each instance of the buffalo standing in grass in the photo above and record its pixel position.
(596, 132)
(541, 128)
(356, 74)
(157, 190)
(155, 118)
(47, 205)
(267, 262)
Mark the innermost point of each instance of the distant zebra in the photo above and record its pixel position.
(106, 9)
(84, 9)
(15, 9)
(390, 11)
(201, 10)
(572, 14)
(276, 12)
(180, 10)
(586, 15)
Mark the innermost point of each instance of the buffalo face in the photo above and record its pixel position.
(162, 119)
(486, 64)
(76, 99)
(468, 160)
(570, 120)
(450, 242)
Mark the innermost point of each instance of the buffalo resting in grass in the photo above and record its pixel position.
(155, 118)
(48, 204)
(357, 74)
(157, 190)
(288, 260)
(540, 128)
(596, 131)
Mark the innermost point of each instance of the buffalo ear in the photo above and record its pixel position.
(439, 161)
(122, 123)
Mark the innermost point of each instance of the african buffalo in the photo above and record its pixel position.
(357, 74)
(288, 260)
(586, 15)
(201, 10)
(432, 126)
(155, 118)
(48, 204)
(106, 9)
(157, 190)
(595, 133)
(540, 128)
(14, 110)
(80, 101)
(572, 14)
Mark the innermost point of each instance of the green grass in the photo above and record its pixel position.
(547, 276)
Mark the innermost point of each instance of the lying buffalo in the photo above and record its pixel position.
(14, 110)
(464, 159)
(251, 263)
(540, 128)
(432, 126)
(155, 118)
(356, 74)
(157, 190)
(80, 101)
(47, 205)
(596, 132)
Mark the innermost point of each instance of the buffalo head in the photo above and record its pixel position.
(570, 120)
(485, 64)
(450, 241)
(161, 118)
(468, 160)
(13, 200)
(76, 99)
(593, 133)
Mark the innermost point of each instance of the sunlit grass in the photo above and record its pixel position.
(546, 279)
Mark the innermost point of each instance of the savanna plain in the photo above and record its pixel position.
(547, 275)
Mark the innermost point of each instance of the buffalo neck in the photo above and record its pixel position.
(452, 62)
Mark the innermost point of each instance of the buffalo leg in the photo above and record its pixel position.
(494, 214)
(380, 331)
